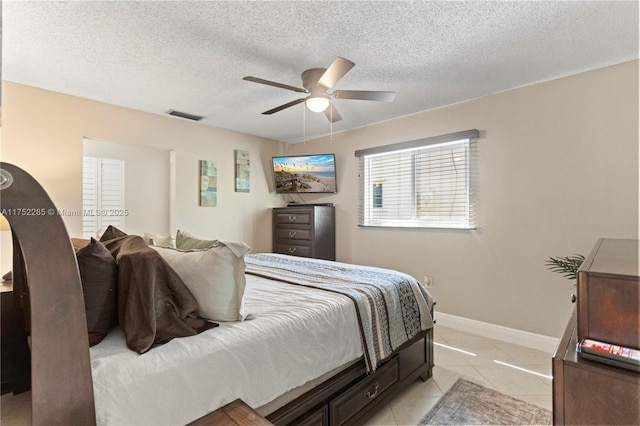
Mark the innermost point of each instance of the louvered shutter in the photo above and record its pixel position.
(103, 195)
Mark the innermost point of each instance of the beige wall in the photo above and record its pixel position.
(147, 183)
(43, 133)
(558, 169)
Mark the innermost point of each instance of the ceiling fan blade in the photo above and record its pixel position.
(273, 83)
(287, 105)
(335, 72)
(332, 114)
(365, 95)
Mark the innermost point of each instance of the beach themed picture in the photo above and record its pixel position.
(208, 183)
(305, 173)
(243, 182)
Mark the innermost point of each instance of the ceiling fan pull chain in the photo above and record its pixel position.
(331, 124)
(304, 126)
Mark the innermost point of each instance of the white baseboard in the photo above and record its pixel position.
(498, 332)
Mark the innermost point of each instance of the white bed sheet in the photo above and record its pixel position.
(298, 334)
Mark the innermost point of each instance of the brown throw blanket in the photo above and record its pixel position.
(154, 304)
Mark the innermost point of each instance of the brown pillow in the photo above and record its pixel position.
(111, 233)
(99, 276)
(154, 304)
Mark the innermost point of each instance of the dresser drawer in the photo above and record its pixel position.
(293, 234)
(295, 217)
(293, 250)
(319, 417)
(370, 388)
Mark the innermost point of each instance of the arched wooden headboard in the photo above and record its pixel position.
(61, 385)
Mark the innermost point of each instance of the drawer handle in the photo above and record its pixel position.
(292, 233)
(292, 218)
(375, 392)
(292, 249)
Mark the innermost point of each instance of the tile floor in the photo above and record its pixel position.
(15, 410)
(477, 365)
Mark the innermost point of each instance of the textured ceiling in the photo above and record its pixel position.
(191, 56)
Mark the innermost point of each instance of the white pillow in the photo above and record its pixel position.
(215, 276)
(159, 240)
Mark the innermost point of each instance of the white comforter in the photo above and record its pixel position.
(297, 335)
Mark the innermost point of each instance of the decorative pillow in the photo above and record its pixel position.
(111, 233)
(154, 304)
(159, 240)
(187, 241)
(215, 276)
(99, 277)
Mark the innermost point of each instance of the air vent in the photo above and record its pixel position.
(185, 115)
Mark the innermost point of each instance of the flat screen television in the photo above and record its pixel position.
(307, 174)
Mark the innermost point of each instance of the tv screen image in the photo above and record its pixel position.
(305, 173)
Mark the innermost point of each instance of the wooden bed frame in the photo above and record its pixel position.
(47, 280)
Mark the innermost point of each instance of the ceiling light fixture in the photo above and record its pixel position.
(316, 82)
(317, 103)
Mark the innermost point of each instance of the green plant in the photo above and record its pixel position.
(566, 265)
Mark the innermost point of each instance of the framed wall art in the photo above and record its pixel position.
(243, 174)
(208, 183)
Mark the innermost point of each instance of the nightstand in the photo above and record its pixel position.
(15, 364)
(235, 413)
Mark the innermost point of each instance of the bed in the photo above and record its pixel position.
(308, 354)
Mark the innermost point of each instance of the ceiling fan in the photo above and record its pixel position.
(317, 82)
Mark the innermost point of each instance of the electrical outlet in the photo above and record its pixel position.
(428, 281)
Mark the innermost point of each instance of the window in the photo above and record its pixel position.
(102, 195)
(377, 195)
(428, 183)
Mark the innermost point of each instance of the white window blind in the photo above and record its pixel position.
(427, 183)
(102, 194)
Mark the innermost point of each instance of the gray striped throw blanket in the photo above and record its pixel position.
(392, 307)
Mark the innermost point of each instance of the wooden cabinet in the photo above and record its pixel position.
(305, 230)
(591, 392)
(608, 294)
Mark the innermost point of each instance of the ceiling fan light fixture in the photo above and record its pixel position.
(317, 103)
(317, 82)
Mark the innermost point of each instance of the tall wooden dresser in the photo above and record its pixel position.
(306, 230)
(590, 392)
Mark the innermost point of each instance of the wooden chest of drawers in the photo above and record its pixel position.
(609, 294)
(591, 392)
(306, 230)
